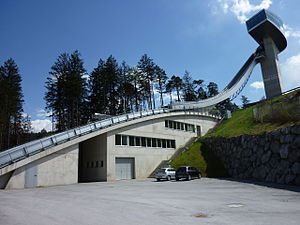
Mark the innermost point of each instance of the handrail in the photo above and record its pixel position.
(20, 152)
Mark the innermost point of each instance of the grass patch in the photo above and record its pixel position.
(242, 122)
(197, 155)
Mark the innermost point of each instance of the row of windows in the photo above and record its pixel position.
(179, 126)
(144, 141)
(94, 164)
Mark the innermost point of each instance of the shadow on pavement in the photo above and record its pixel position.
(270, 185)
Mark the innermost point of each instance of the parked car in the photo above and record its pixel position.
(165, 174)
(187, 172)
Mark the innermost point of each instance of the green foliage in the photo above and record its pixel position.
(245, 101)
(189, 93)
(66, 91)
(283, 113)
(284, 109)
(11, 98)
(197, 155)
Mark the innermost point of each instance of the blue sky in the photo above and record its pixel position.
(208, 38)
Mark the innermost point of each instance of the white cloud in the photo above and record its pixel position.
(43, 114)
(291, 72)
(290, 32)
(38, 125)
(241, 8)
(257, 85)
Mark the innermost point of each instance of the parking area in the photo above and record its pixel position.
(143, 202)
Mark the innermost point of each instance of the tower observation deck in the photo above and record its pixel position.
(266, 29)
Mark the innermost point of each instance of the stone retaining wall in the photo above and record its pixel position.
(271, 157)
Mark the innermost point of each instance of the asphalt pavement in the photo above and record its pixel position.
(147, 202)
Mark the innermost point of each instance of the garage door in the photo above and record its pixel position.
(124, 168)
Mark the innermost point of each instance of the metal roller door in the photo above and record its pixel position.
(124, 168)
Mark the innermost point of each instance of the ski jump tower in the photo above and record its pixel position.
(265, 28)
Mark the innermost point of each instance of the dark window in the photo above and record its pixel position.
(143, 140)
(137, 141)
(173, 145)
(148, 142)
(118, 139)
(178, 125)
(97, 164)
(159, 143)
(182, 126)
(164, 144)
(171, 123)
(168, 143)
(154, 142)
(101, 163)
(193, 128)
(131, 140)
(124, 140)
(166, 123)
(92, 164)
(186, 127)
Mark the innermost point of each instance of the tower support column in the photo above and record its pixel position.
(270, 69)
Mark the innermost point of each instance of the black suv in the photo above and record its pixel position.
(187, 172)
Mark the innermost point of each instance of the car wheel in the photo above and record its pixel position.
(157, 179)
(189, 177)
(177, 179)
(168, 178)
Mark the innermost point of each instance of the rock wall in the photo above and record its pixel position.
(271, 157)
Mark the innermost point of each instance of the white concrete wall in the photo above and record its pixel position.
(59, 168)
(147, 159)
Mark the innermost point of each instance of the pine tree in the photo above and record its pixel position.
(169, 89)
(161, 79)
(11, 98)
(147, 66)
(200, 91)
(104, 86)
(188, 87)
(177, 84)
(66, 94)
(212, 89)
(245, 101)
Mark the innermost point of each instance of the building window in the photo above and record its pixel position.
(143, 140)
(166, 123)
(137, 141)
(124, 140)
(118, 139)
(164, 144)
(173, 144)
(180, 126)
(154, 142)
(149, 142)
(131, 140)
(140, 142)
(159, 143)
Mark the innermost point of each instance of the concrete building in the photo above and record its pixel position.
(128, 150)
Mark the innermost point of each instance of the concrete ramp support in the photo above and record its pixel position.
(271, 70)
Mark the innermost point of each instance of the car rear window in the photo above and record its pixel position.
(161, 171)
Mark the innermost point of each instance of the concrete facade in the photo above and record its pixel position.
(271, 69)
(92, 157)
(56, 169)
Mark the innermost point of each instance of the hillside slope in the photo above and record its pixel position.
(263, 117)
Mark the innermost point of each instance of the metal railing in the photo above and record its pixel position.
(22, 151)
